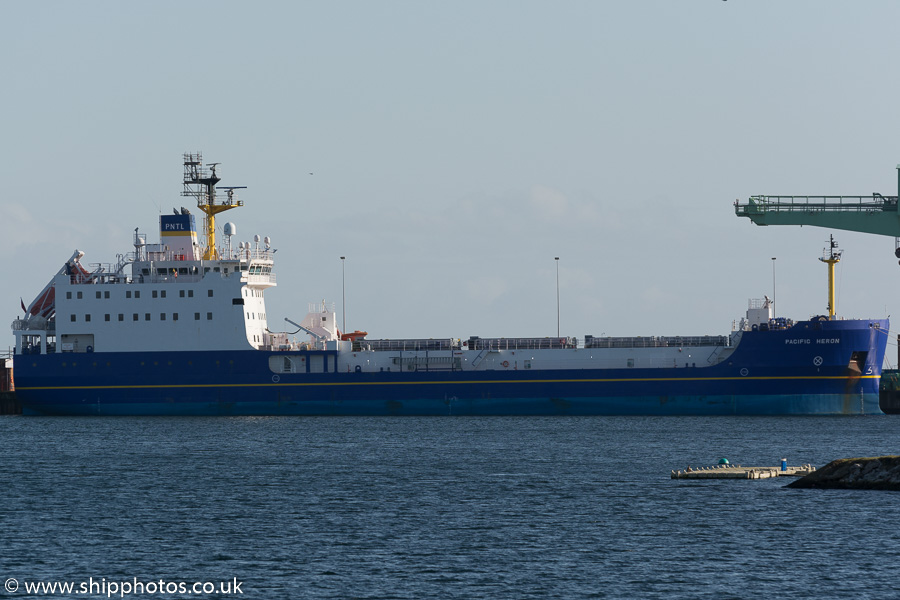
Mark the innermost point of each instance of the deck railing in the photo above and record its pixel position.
(760, 204)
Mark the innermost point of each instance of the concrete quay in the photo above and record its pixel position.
(741, 472)
(9, 404)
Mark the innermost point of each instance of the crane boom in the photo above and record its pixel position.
(875, 214)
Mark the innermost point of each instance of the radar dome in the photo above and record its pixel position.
(230, 229)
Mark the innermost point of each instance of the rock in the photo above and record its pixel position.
(872, 473)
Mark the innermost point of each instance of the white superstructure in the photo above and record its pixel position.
(179, 294)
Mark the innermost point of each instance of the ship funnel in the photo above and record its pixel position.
(179, 233)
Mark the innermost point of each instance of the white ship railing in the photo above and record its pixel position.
(531, 343)
(407, 345)
(653, 341)
(246, 255)
(495, 363)
(171, 278)
(39, 325)
(270, 278)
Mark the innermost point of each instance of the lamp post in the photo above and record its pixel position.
(773, 286)
(557, 296)
(343, 299)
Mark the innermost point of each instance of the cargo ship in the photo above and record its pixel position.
(179, 327)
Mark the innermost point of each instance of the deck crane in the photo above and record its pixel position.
(876, 214)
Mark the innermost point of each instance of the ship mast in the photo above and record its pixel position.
(831, 256)
(201, 184)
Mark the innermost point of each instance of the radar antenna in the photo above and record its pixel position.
(230, 191)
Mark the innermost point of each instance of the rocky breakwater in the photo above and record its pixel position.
(872, 473)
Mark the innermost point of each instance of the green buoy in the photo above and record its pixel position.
(723, 461)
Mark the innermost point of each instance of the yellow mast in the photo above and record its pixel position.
(202, 185)
(831, 257)
(210, 209)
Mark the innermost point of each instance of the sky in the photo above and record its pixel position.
(450, 151)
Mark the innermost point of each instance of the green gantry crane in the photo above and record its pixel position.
(869, 214)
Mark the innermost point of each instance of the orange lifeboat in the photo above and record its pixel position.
(352, 337)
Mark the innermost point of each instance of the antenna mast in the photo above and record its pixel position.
(831, 256)
(201, 184)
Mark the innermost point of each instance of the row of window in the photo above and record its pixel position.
(182, 270)
(162, 317)
(195, 270)
(137, 294)
(136, 317)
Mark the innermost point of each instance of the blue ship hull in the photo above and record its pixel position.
(768, 374)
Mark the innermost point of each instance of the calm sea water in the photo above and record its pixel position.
(444, 507)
